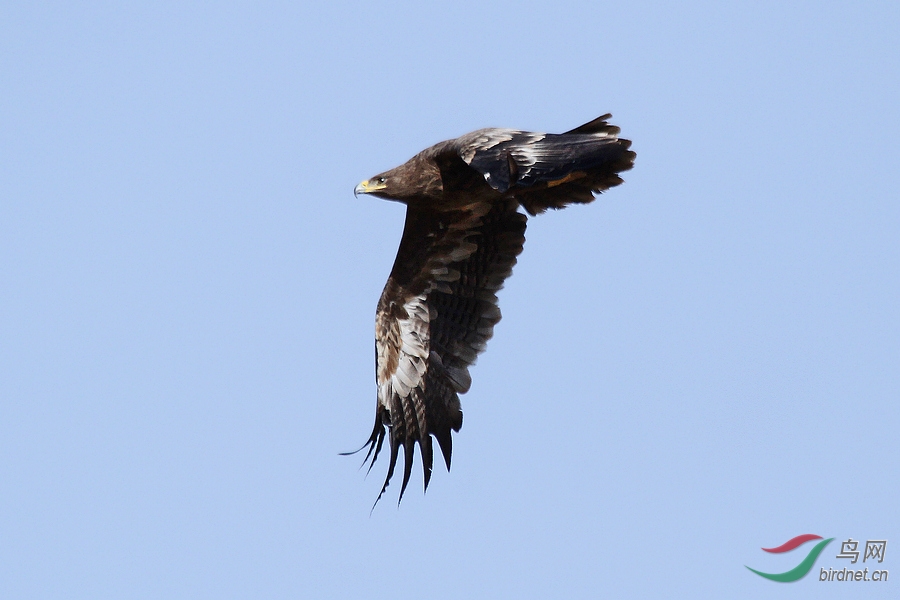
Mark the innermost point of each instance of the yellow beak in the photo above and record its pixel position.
(367, 187)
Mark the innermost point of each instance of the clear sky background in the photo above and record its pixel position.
(703, 362)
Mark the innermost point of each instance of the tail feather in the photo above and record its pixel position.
(598, 125)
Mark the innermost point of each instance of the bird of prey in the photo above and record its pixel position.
(462, 235)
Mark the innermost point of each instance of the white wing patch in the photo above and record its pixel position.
(403, 353)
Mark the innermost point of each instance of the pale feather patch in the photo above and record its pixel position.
(463, 251)
(570, 177)
(525, 154)
(413, 347)
(485, 139)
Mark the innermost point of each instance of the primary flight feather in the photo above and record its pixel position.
(462, 235)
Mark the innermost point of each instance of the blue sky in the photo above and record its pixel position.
(701, 363)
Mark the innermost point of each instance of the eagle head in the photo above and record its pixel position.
(416, 181)
(375, 186)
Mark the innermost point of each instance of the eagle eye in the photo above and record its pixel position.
(380, 180)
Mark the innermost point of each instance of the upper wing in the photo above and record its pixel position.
(436, 313)
(549, 170)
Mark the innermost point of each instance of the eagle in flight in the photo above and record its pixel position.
(460, 241)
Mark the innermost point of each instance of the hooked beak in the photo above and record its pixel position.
(367, 187)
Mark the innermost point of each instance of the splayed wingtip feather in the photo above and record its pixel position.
(427, 452)
(408, 453)
(390, 473)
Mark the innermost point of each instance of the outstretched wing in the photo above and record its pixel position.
(436, 314)
(549, 170)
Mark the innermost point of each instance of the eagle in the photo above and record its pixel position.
(462, 234)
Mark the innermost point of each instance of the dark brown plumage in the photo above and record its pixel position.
(462, 235)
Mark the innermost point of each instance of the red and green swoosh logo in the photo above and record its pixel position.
(804, 567)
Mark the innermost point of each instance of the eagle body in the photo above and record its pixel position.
(462, 235)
